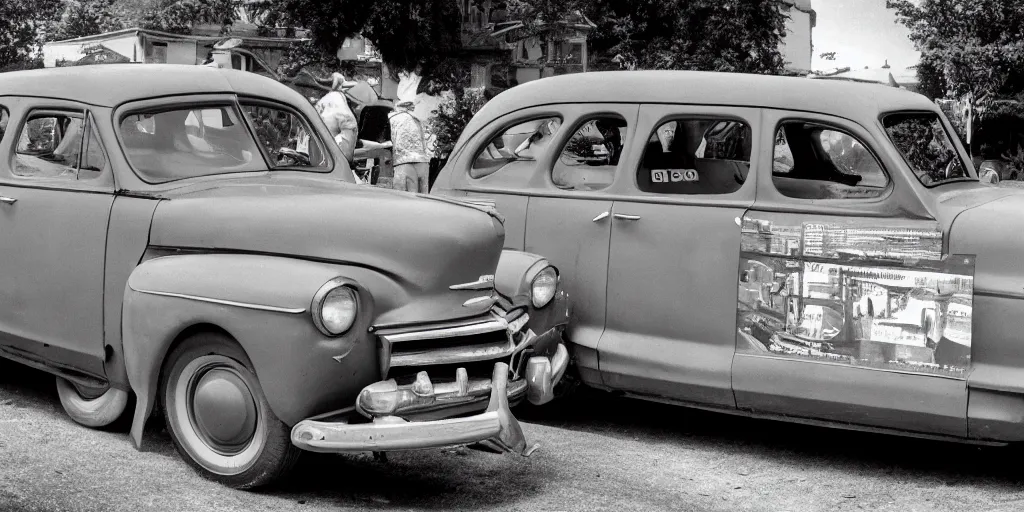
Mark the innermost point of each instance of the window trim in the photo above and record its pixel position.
(885, 192)
(581, 121)
(696, 117)
(501, 131)
(324, 148)
(967, 164)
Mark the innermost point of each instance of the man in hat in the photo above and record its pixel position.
(411, 160)
(338, 116)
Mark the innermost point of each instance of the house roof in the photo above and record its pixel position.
(105, 85)
(859, 102)
(167, 36)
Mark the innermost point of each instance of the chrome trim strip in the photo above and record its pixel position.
(478, 300)
(452, 355)
(258, 307)
(483, 283)
(463, 330)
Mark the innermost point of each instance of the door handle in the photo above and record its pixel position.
(623, 216)
(601, 217)
(8, 200)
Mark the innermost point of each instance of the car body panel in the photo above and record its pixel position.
(127, 240)
(954, 237)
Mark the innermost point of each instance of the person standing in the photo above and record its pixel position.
(338, 116)
(411, 161)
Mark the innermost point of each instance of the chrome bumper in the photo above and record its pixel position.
(385, 402)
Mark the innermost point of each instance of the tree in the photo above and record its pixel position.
(706, 35)
(21, 24)
(175, 16)
(85, 17)
(968, 47)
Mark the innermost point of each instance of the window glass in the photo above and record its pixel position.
(926, 147)
(4, 119)
(524, 142)
(696, 156)
(177, 143)
(50, 144)
(286, 138)
(94, 160)
(812, 161)
(589, 159)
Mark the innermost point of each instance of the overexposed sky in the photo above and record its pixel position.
(862, 33)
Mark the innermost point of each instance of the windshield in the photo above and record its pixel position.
(189, 142)
(926, 147)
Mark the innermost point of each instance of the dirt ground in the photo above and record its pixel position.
(598, 452)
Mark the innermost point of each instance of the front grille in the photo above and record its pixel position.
(441, 350)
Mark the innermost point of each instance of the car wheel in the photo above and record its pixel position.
(218, 416)
(93, 408)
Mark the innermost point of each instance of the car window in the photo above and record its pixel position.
(286, 137)
(590, 157)
(695, 157)
(4, 119)
(508, 151)
(178, 143)
(812, 161)
(926, 147)
(51, 145)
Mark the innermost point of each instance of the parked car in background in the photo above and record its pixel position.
(804, 250)
(169, 240)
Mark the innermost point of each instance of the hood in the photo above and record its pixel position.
(991, 230)
(959, 197)
(422, 244)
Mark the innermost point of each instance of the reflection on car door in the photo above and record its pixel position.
(674, 252)
(54, 208)
(848, 311)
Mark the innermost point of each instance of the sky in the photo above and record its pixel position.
(862, 33)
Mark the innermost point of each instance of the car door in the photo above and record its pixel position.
(56, 192)
(670, 329)
(569, 215)
(844, 290)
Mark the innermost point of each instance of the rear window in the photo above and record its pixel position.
(4, 119)
(925, 145)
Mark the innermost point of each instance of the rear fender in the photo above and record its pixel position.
(263, 302)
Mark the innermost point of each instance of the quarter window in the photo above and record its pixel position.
(5, 118)
(55, 145)
(696, 157)
(812, 161)
(524, 142)
(590, 157)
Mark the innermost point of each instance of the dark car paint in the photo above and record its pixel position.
(987, 406)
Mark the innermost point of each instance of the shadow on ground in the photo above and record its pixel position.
(943, 463)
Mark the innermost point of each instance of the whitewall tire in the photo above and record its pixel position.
(92, 409)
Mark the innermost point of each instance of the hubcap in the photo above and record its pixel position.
(224, 410)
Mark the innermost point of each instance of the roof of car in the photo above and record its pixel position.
(111, 85)
(855, 101)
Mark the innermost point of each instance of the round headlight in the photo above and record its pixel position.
(543, 288)
(334, 309)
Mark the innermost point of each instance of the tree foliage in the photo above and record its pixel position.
(22, 23)
(85, 17)
(971, 47)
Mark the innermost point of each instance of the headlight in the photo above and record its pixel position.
(543, 288)
(335, 307)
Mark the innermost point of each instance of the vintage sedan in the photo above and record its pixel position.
(161, 236)
(776, 247)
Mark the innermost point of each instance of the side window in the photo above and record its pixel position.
(51, 145)
(589, 159)
(5, 118)
(812, 161)
(286, 137)
(524, 142)
(696, 157)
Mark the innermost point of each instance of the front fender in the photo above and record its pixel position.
(513, 280)
(263, 302)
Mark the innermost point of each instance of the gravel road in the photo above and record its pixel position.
(598, 452)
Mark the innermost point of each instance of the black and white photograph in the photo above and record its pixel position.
(511, 255)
